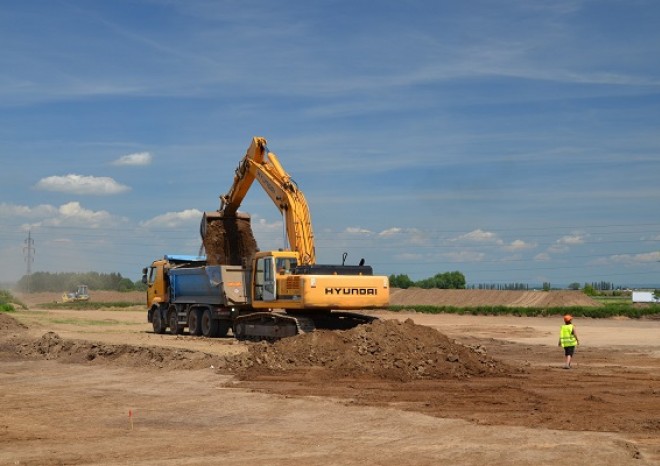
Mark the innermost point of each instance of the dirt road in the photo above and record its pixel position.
(64, 400)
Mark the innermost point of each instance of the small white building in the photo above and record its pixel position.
(644, 297)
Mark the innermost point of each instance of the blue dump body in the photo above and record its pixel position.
(180, 258)
(196, 285)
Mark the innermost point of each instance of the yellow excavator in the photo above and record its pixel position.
(259, 294)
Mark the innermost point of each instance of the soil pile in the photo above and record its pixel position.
(52, 346)
(9, 324)
(384, 349)
(473, 298)
(229, 241)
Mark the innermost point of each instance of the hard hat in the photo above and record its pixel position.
(567, 318)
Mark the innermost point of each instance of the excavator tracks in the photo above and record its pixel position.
(272, 326)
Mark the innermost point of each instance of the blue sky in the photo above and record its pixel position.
(514, 141)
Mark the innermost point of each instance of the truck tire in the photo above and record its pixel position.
(209, 324)
(175, 327)
(195, 322)
(157, 322)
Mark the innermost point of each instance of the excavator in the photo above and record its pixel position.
(259, 294)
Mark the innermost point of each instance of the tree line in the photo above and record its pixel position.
(69, 281)
(447, 280)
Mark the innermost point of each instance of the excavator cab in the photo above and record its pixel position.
(272, 276)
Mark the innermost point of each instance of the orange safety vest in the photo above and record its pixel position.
(566, 336)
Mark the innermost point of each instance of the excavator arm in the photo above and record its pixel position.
(262, 165)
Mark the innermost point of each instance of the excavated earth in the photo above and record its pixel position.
(98, 387)
(229, 241)
(385, 349)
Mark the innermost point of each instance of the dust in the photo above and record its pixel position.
(229, 241)
(384, 349)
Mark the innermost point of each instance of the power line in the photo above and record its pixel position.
(29, 252)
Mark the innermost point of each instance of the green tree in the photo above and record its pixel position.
(125, 284)
(589, 290)
(139, 286)
(574, 286)
(400, 281)
(656, 294)
(449, 280)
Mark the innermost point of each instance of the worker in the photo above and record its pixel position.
(568, 339)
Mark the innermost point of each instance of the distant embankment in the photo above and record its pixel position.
(474, 298)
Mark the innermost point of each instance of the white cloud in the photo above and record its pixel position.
(542, 257)
(79, 184)
(22, 211)
(261, 225)
(73, 214)
(563, 244)
(390, 232)
(519, 245)
(358, 231)
(69, 214)
(480, 236)
(137, 159)
(406, 235)
(573, 239)
(173, 219)
(631, 259)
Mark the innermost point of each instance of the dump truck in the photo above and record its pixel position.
(259, 295)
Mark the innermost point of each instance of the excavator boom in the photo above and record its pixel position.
(262, 165)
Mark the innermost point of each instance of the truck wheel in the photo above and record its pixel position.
(175, 328)
(209, 325)
(157, 322)
(195, 322)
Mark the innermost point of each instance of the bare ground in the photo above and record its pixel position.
(444, 388)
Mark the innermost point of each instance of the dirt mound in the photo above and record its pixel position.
(52, 346)
(230, 241)
(473, 298)
(385, 349)
(9, 324)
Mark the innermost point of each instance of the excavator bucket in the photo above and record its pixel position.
(227, 239)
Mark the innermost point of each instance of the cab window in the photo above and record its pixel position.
(153, 271)
(285, 265)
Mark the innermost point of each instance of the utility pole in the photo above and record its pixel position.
(28, 252)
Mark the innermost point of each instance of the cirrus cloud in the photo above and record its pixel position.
(80, 184)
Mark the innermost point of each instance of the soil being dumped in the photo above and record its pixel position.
(229, 240)
(384, 349)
